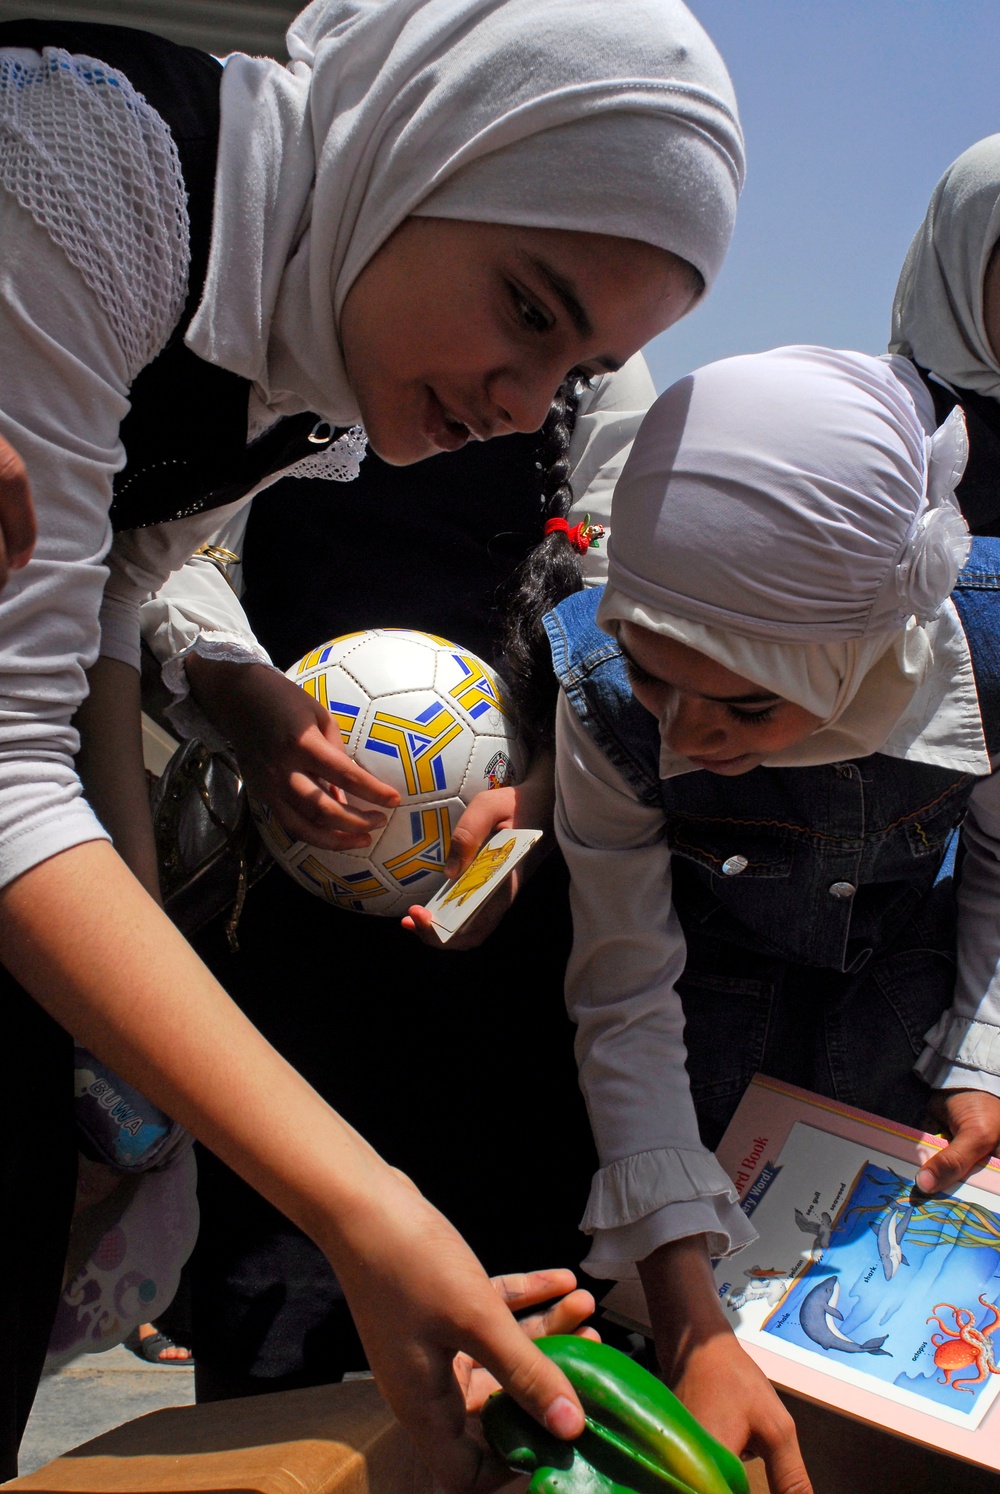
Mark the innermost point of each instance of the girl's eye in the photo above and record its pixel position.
(752, 718)
(638, 676)
(580, 376)
(533, 318)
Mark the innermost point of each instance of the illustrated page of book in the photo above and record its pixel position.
(858, 1274)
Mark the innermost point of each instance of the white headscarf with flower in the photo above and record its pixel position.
(787, 515)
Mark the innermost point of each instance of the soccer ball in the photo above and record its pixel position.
(426, 717)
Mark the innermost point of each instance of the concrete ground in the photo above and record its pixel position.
(93, 1394)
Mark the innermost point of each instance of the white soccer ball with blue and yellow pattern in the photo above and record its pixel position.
(423, 715)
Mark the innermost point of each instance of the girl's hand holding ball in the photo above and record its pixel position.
(291, 753)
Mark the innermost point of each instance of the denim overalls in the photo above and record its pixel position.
(820, 930)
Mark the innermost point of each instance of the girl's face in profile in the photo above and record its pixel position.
(457, 331)
(718, 720)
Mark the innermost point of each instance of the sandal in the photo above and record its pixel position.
(152, 1347)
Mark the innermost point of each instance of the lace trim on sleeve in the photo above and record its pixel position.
(961, 1040)
(614, 1252)
(97, 168)
(633, 1187)
(184, 713)
(961, 1054)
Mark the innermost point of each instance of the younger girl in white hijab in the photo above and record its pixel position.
(770, 727)
(946, 316)
(423, 224)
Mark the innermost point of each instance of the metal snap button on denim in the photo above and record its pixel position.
(842, 889)
(733, 865)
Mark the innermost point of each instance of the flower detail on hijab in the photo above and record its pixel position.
(939, 544)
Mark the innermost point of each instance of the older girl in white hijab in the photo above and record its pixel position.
(423, 223)
(946, 316)
(770, 727)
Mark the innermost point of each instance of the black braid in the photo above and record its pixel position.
(550, 572)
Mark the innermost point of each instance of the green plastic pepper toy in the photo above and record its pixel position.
(638, 1438)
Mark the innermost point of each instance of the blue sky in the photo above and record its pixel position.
(852, 109)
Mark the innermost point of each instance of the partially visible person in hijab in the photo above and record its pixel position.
(759, 773)
(946, 316)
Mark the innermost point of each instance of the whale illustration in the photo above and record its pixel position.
(815, 1315)
(889, 1234)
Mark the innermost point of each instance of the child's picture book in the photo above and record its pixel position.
(861, 1293)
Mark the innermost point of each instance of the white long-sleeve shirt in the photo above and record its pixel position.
(93, 276)
(656, 1181)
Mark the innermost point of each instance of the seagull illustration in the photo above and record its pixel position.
(821, 1228)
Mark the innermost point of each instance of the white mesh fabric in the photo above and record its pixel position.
(339, 462)
(97, 168)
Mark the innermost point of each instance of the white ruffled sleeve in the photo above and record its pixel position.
(656, 1181)
(963, 1047)
(197, 611)
(608, 416)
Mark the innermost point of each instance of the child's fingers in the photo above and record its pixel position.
(973, 1119)
(330, 761)
(418, 921)
(307, 812)
(488, 812)
(786, 1472)
(969, 1149)
(565, 1316)
(523, 1289)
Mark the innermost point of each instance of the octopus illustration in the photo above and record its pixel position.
(964, 1346)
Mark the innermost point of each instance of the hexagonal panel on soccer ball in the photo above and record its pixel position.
(394, 659)
(415, 845)
(494, 763)
(327, 655)
(350, 880)
(416, 742)
(476, 690)
(337, 690)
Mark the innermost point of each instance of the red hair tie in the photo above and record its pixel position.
(582, 536)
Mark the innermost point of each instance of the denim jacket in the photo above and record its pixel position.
(819, 865)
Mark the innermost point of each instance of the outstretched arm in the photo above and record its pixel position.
(96, 951)
(962, 1058)
(705, 1366)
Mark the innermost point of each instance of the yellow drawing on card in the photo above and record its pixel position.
(480, 873)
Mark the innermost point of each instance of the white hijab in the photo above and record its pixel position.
(609, 116)
(785, 514)
(937, 315)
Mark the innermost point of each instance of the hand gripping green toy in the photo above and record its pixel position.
(638, 1438)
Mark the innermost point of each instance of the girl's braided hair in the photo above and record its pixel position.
(548, 573)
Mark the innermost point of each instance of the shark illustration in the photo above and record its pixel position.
(889, 1233)
(815, 1314)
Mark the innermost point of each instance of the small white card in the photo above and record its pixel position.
(453, 905)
